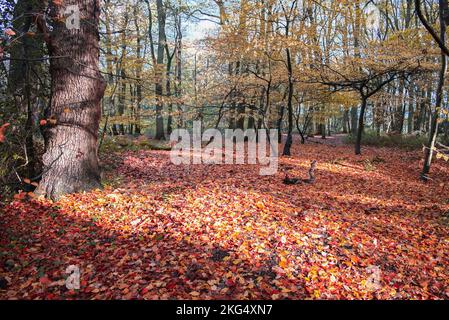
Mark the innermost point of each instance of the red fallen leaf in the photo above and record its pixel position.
(45, 280)
(230, 283)
(71, 292)
(50, 296)
(171, 285)
(144, 291)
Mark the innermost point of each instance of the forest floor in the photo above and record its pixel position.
(367, 229)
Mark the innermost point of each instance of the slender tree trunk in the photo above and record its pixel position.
(240, 123)
(289, 142)
(251, 121)
(168, 91)
(161, 16)
(23, 79)
(433, 134)
(139, 70)
(435, 120)
(178, 82)
(70, 159)
(122, 101)
(323, 130)
(358, 143)
(411, 112)
(110, 101)
(279, 122)
(420, 121)
(354, 114)
(345, 121)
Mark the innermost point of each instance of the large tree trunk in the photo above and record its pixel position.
(70, 160)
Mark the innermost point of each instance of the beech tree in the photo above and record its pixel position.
(73, 116)
(441, 41)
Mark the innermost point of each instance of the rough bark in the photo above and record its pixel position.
(71, 161)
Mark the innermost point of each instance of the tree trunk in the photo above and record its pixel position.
(240, 123)
(178, 82)
(168, 92)
(411, 112)
(323, 131)
(23, 79)
(433, 134)
(70, 159)
(358, 143)
(435, 120)
(279, 122)
(354, 113)
(161, 15)
(345, 121)
(289, 142)
(424, 103)
(139, 70)
(122, 101)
